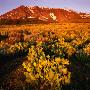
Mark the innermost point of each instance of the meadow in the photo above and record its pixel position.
(53, 56)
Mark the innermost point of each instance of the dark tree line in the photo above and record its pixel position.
(20, 21)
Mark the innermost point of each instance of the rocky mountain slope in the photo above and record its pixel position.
(40, 14)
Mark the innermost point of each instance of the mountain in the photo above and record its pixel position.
(37, 14)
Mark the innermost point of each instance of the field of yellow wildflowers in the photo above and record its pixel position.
(57, 56)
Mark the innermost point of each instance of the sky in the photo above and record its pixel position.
(77, 5)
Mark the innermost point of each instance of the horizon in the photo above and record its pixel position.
(78, 6)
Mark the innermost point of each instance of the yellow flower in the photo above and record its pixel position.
(65, 62)
(58, 60)
(37, 75)
(40, 66)
(44, 63)
(32, 77)
(34, 64)
(64, 70)
(24, 65)
(29, 69)
(51, 75)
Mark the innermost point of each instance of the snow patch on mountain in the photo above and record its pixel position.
(67, 9)
(53, 16)
(30, 7)
(44, 17)
(31, 17)
(32, 11)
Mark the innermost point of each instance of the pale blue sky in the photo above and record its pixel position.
(77, 5)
